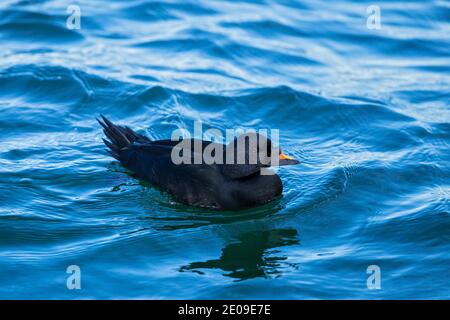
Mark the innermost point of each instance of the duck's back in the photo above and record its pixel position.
(192, 184)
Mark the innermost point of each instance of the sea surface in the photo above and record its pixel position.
(364, 105)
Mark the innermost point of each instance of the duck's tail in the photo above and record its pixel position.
(118, 137)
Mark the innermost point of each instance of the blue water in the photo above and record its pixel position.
(366, 110)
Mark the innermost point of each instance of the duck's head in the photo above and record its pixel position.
(250, 152)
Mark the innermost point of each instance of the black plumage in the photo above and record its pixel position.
(215, 186)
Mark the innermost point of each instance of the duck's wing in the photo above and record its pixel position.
(194, 184)
(161, 152)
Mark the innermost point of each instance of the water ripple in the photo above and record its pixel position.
(366, 111)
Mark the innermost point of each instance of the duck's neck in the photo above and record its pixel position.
(257, 189)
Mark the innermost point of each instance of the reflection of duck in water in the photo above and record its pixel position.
(250, 258)
(230, 186)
